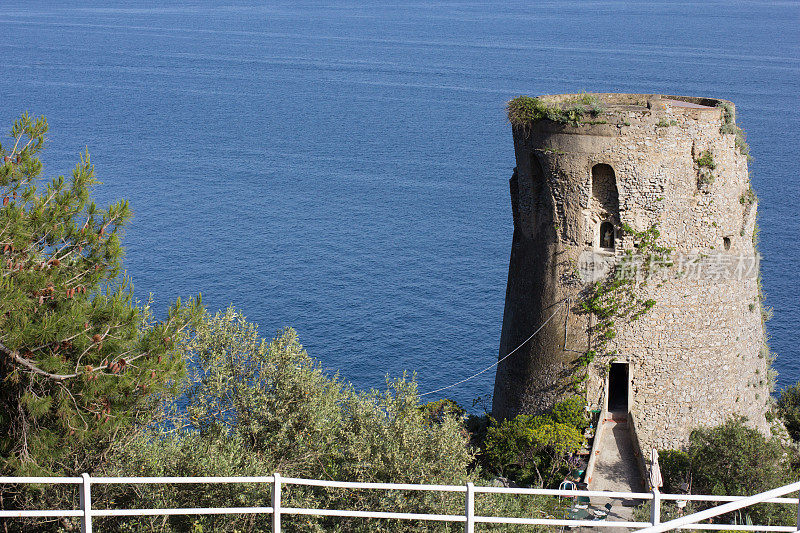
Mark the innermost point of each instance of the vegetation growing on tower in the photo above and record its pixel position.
(616, 298)
(705, 166)
(729, 127)
(524, 111)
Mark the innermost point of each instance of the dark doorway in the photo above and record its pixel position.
(607, 235)
(618, 387)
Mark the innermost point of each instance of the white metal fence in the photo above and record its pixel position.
(469, 519)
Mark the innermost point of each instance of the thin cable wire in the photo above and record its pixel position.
(501, 359)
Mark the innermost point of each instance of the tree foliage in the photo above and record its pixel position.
(80, 359)
(676, 468)
(733, 459)
(789, 410)
(536, 449)
(253, 407)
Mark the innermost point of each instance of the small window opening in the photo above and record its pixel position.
(607, 235)
(618, 387)
(726, 243)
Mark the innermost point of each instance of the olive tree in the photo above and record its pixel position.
(254, 407)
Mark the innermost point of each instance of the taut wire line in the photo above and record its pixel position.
(506, 356)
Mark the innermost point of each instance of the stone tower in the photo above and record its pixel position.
(593, 172)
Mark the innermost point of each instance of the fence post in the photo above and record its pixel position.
(276, 504)
(655, 511)
(469, 509)
(798, 512)
(86, 503)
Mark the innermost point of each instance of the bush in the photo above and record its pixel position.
(438, 411)
(525, 110)
(729, 127)
(706, 160)
(789, 410)
(535, 450)
(572, 412)
(676, 468)
(748, 197)
(733, 459)
(254, 407)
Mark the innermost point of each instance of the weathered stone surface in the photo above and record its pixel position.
(696, 357)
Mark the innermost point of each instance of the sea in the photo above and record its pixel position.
(342, 167)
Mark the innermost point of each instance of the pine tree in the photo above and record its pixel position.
(81, 360)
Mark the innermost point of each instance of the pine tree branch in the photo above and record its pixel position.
(56, 377)
(14, 150)
(88, 349)
(78, 276)
(77, 409)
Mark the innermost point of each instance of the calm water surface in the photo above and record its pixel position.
(342, 168)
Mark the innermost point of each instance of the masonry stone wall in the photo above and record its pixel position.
(696, 357)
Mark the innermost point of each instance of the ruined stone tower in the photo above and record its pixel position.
(592, 172)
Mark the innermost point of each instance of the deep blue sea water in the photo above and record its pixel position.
(343, 168)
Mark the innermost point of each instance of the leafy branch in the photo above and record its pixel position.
(616, 297)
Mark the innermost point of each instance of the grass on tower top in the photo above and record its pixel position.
(524, 111)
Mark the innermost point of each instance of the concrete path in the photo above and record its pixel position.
(616, 470)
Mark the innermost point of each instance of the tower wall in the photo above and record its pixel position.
(696, 356)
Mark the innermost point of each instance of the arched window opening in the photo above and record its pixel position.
(607, 235)
(604, 206)
(605, 198)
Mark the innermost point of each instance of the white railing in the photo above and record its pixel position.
(469, 519)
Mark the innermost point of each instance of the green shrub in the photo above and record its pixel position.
(706, 160)
(748, 197)
(252, 408)
(732, 459)
(789, 410)
(535, 450)
(705, 177)
(669, 511)
(572, 412)
(525, 110)
(676, 469)
(729, 127)
(439, 411)
(705, 164)
(735, 459)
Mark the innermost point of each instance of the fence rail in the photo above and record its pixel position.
(469, 519)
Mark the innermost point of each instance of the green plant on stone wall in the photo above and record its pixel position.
(706, 160)
(766, 315)
(705, 166)
(524, 111)
(729, 127)
(616, 297)
(748, 197)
